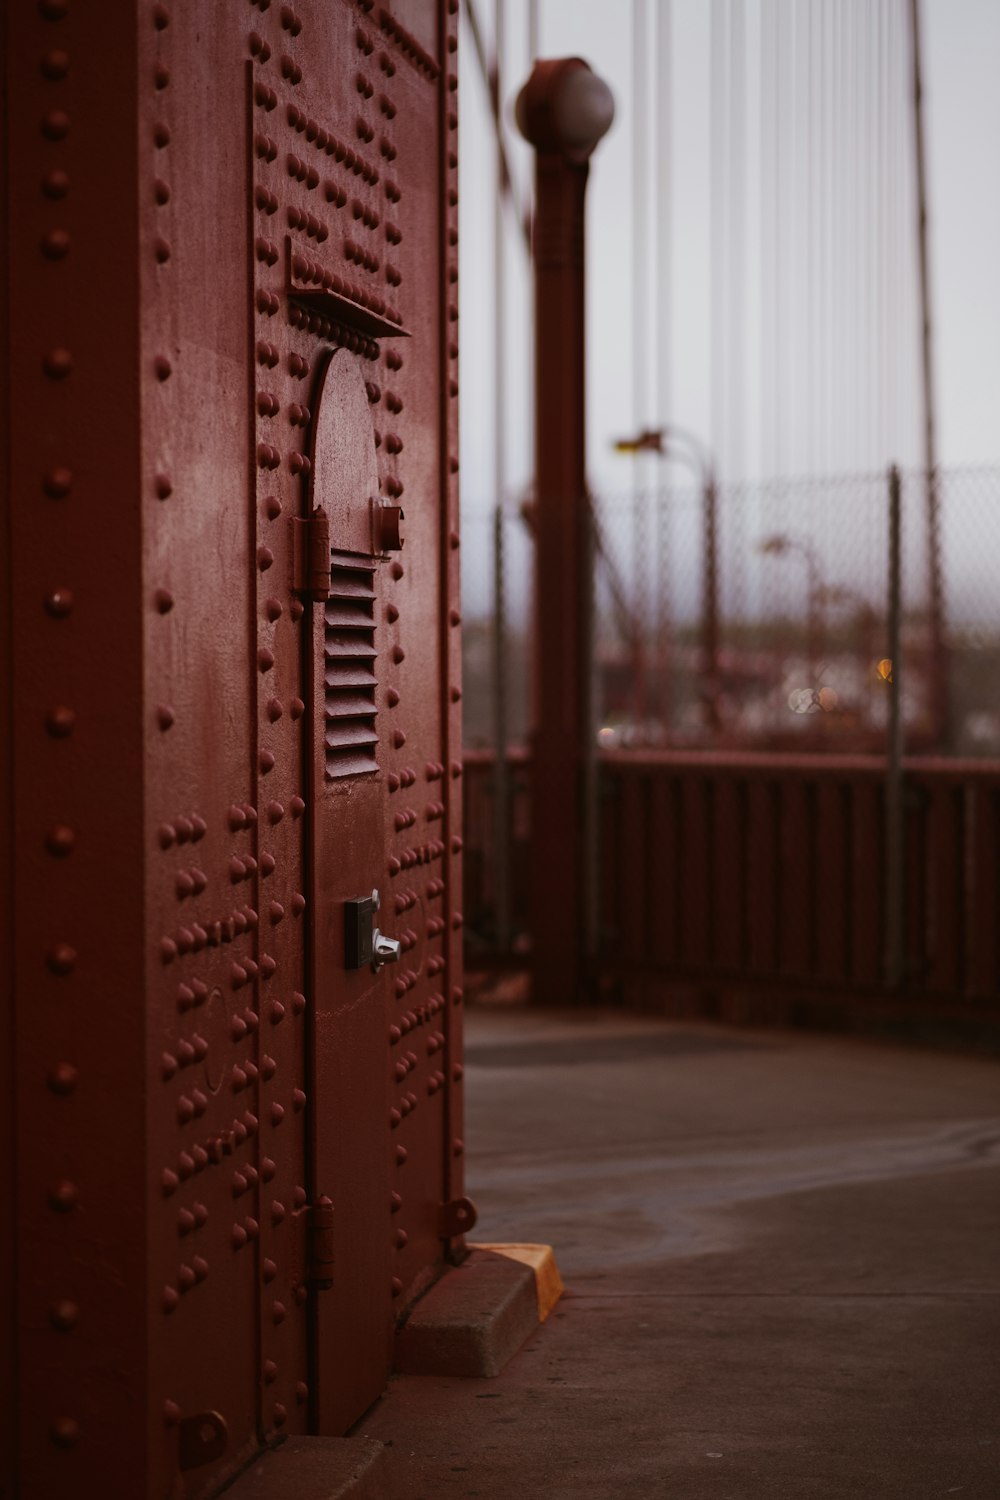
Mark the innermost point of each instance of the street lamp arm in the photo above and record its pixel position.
(672, 441)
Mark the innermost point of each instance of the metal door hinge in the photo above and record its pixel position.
(311, 556)
(457, 1217)
(321, 1244)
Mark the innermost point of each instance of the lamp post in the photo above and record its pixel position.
(563, 111)
(780, 545)
(674, 442)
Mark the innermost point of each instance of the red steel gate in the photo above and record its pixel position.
(233, 718)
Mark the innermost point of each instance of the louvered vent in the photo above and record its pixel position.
(350, 669)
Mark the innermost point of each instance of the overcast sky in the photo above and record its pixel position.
(961, 45)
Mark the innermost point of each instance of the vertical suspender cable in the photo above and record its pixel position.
(664, 335)
(501, 778)
(717, 310)
(935, 586)
(640, 345)
(734, 515)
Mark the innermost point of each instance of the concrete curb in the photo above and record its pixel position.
(541, 1258)
(472, 1321)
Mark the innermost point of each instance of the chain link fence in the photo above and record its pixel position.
(756, 616)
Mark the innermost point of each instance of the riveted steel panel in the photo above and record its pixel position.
(230, 220)
(75, 678)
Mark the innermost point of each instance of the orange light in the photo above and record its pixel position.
(884, 668)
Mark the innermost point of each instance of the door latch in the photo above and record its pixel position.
(386, 950)
(363, 943)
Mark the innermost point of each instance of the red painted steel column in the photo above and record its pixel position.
(563, 110)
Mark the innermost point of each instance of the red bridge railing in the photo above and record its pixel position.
(757, 884)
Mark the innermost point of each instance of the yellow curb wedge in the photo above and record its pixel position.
(541, 1258)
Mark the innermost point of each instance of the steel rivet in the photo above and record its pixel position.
(265, 659)
(164, 716)
(55, 244)
(55, 184)
(161, 191)
(161, 250)
(65, 1432)
(64, 1196)
(298, 904)
(63, 1078)
(62, 958)
(164, 601)
(278, 1312)
(161, 77)
(55, 125)
(64, 1315)
(59, 603)
(161, 19)
(60, 840)
(161, 484)
(162, 367)
(57, 364)
(161, 136)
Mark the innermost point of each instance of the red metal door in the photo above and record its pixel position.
(350, 1016)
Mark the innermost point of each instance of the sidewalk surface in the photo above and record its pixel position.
(782, 1261)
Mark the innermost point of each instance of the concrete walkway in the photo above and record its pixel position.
(782, 1259)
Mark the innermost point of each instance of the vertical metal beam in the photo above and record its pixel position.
(894, 875)
(563, 111)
